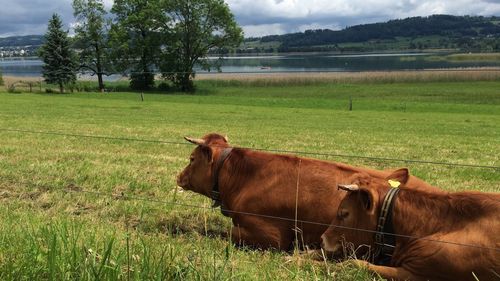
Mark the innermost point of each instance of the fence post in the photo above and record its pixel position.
(142, 96)
(350, 103)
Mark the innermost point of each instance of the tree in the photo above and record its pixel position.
(91, 38)
(135, 39)
(59, 60)
(195, 28)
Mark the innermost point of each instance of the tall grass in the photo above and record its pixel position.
(280, 79)
(382, 77)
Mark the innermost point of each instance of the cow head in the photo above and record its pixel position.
(197, 176)
(358, 211)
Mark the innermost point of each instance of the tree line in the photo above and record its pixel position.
(139, 38)
(459, 30)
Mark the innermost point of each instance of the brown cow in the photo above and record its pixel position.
(466, 223)
(267, 186)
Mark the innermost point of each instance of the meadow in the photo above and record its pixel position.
(87, 180)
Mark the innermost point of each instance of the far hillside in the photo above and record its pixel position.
(437, 32)
(20, 46)
(461, 33)
(16, 41)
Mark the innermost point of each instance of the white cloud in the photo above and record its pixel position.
(257, 16)
(263, 29)
(264, 17)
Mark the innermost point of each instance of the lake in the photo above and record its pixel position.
(298, 63)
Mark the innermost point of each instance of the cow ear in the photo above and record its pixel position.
(369, 199)
(207, 152)
(399, 177)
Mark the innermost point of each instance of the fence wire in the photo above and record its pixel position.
(193, 206)
(384, 159)
(80, 190)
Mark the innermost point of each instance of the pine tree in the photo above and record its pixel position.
(59, 60)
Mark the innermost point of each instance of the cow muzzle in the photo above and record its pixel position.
(327, 246)
(182, 180)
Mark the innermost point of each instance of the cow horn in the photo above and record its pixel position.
(195, 141)
(226, 139)
(348, 187)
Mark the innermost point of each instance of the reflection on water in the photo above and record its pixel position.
(380, 55)
(296, 63)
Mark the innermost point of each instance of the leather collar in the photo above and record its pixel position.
(215, 194)
(385, 240)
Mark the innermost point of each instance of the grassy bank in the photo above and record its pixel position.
(129, 225)
(467, 57)
(36, 84)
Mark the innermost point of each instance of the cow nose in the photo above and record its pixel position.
(179, 179)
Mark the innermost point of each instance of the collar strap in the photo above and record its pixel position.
(215, 194)
(385, 241)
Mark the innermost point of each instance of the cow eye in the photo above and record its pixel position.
(191, 159)
(342, 214)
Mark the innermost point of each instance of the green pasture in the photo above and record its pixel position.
(83, 208)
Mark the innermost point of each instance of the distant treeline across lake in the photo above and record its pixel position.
(31, 67)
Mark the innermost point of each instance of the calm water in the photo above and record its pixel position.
(297, 63)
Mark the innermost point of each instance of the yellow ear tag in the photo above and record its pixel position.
(394, 183)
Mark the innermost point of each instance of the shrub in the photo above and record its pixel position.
(12, 89)
(164, 86)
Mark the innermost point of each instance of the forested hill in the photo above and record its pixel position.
(447, 31)
(465, 33)
(20, 46)
(21, 41)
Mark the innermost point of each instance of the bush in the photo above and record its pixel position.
(164, 87)
(12, 89)
(142, 81)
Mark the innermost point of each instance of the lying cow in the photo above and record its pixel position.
(401, 228)
(261, 191)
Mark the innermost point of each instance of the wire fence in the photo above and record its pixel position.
(193, 206)
(310, 153)
(76, 189)
(73, 189)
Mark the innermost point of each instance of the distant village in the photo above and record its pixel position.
(18, 51)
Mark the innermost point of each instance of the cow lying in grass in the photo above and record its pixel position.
(264, 193)
(469, 222)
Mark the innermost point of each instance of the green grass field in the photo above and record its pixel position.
(52, 230)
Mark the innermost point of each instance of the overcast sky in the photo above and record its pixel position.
(263, 17)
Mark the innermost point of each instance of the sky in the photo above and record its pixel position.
(263, 17)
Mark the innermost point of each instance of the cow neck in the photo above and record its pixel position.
(215, 193)
(385, 240)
